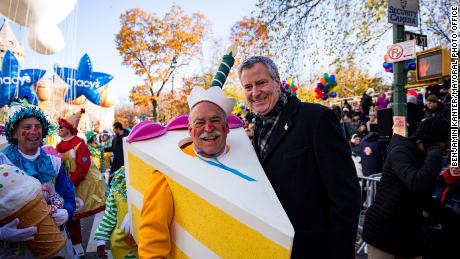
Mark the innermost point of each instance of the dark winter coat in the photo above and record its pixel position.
(443, 229)
(441, 111)
(117, 149)
(393, 223)
(366, 104)
(309, 165)
(372, 153)
(415, 115)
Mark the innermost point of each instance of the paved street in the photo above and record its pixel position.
(89, 226)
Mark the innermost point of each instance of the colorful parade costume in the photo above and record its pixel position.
(106, 143)
(47, 169)
(185, 205)
(122, 245)
(87, 179)
(96, 151)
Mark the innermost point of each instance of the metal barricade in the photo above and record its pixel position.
(368, 190)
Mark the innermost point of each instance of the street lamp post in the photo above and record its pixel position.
(400, 80)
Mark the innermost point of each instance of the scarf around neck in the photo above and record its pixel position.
(40, 168)
(264, 124)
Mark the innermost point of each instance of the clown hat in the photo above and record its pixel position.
(71, 121)
(90, 135)
(21, 110)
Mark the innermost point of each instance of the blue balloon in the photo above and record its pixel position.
(333, 94)
(11, 78)
(386, 65)
(331, 78)
(326, 89)
(83, 81)
(410, 64)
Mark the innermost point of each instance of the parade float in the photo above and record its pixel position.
(55, 92)
(217, 212)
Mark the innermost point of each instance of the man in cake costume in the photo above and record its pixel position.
(87, 179)
(208, 129)
(25, 131)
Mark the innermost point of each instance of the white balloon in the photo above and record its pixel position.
(45, 38)
(36, 14)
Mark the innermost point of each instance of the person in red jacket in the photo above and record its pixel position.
(89, 184)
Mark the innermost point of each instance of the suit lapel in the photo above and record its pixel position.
(282, 126)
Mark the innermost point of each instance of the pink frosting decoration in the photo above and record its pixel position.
(179, 122)
(234, 121)
(148, 129)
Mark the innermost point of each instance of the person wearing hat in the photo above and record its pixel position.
(25, 131)
(367, 102)
(434, 108)
(96, 151)
(88, 182)
(208, 129)
(308, 162)
(393, 223)
(106, 142)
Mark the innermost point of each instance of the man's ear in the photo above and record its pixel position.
(15, 132)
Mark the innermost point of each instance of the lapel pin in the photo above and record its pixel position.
(285, 126)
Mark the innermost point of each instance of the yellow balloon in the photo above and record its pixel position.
(334, 89)
(289, 80)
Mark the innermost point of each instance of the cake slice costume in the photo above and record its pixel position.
(188, 198)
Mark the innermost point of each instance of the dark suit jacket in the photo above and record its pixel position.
(117, 149)
(309, 165)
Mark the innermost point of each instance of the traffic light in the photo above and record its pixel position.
(433, 64)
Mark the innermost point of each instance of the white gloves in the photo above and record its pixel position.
(79, 203)
(11, 233)
(126, 225)
(60, 216)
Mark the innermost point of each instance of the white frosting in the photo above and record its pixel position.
(16, 189)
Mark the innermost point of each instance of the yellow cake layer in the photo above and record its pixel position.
(214, 228)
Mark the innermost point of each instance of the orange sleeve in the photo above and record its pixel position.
(156, 216)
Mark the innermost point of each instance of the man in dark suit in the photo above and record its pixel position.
(307, 161)
(117, 148)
